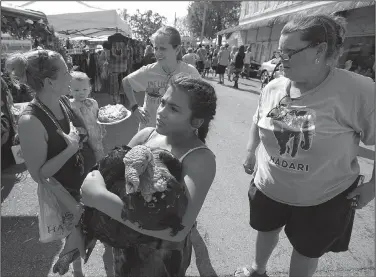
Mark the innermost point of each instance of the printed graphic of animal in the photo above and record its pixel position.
(153, 92)
(293, 127)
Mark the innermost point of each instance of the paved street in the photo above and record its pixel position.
(223, 240)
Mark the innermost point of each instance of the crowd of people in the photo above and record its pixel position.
(220, 59)
(306, 174)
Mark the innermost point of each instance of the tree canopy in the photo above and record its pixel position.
(220, 15)
(145, 24)
(182, 26)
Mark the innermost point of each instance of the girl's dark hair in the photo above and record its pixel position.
(318, 29)
(203, 100)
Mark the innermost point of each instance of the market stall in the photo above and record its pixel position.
(27, 25)
(82, 24)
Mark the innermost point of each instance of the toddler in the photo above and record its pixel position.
(87, 110)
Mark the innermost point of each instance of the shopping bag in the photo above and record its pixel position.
(59, 211)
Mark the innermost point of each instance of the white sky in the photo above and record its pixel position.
(165, 8)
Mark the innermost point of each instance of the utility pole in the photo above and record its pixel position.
(203, 22)
(175, 21)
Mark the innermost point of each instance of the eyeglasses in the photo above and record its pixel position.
(286, 57)
(284, 102)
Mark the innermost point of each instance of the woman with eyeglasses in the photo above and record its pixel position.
(50, 146)
(307, 129)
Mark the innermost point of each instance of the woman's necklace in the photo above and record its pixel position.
(79, 158)
(47, 111)
(170, 74)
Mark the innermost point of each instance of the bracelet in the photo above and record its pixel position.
(134, 107)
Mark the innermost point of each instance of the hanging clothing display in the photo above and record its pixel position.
(94, 72)
(118, 65)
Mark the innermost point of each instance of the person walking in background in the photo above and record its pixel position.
(247, 60)
(149, 56)
(231, 67)
(190, 57)
(238, 64)
(223, 61)
(215, 64)
(216, 50)
(207, 65)
(201, 52)
(306, 171)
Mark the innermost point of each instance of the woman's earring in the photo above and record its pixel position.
(196, 132)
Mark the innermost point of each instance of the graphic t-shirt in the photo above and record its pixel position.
(309, 145)
(224, 57)
(153, 80)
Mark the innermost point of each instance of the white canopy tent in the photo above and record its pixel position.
(91, 24)
(90, 21)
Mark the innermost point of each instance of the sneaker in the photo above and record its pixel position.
(248, 272)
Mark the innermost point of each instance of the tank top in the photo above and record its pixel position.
(187, 153)
(69, 175)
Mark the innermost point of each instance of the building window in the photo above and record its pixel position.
(246, 7)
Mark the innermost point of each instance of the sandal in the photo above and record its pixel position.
(248, 271)
(62, 264)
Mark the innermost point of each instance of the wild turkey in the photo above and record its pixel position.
(164, 211)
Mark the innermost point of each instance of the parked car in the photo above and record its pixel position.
(266, 69)
(253, 70)
(276, 72)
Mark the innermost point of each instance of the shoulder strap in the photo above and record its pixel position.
(192, 150)
(150, 135)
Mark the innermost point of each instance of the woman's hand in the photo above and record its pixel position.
(142, 115)
(250, 162)
(92, 187)
(72, 139)
(364, 193)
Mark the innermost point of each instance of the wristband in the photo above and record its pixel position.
(134, 107)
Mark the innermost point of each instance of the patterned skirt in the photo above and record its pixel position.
(145, 261)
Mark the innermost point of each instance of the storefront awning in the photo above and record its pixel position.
(324, 8)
